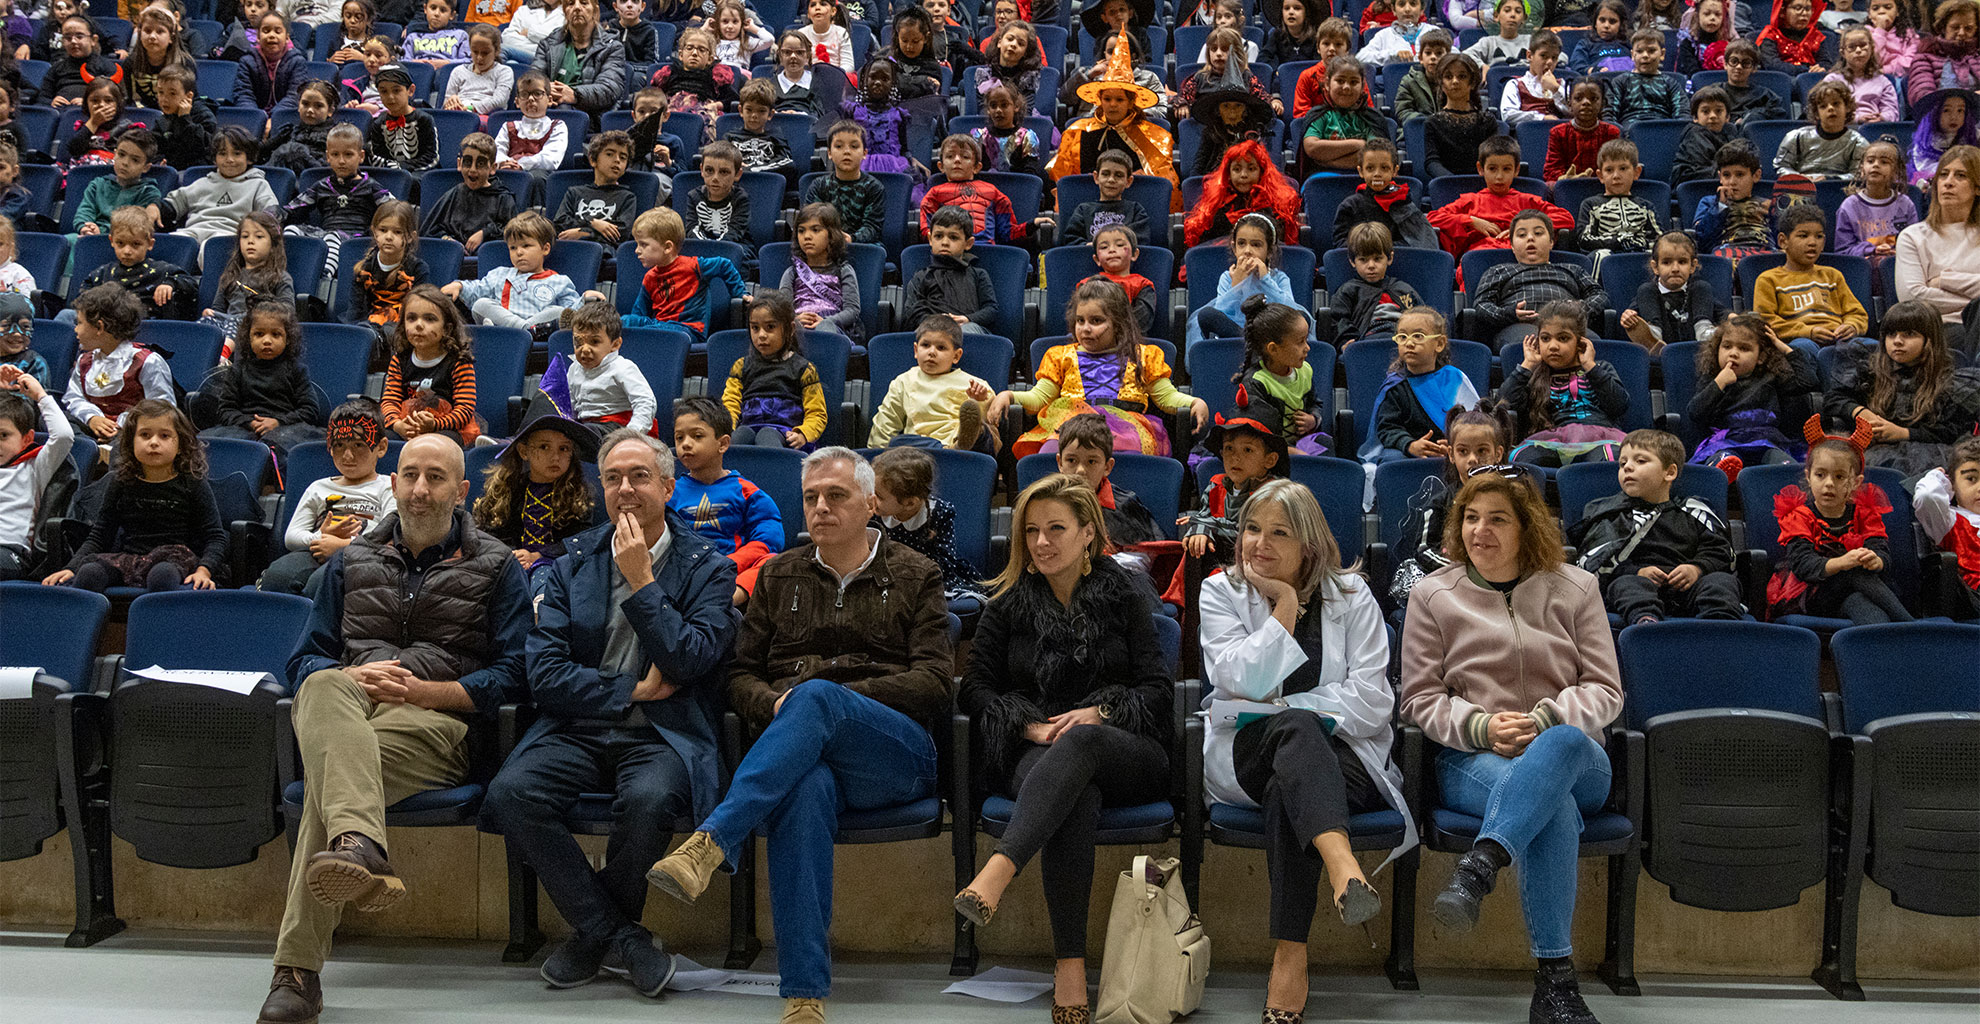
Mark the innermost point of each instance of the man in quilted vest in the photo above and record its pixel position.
(418, 627)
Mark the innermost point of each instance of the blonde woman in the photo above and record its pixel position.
(1071, 697)
(1288, 625)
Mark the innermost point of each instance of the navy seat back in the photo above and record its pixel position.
(1584, 482)
(1429, 271)
(778, 471)
(1156, 479)
(1695, 664)
(1906, 668)
(66, 653)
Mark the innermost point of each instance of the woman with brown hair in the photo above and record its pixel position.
(1508, 665)
(1938, 258)
(1070, 697)
(1288, 625)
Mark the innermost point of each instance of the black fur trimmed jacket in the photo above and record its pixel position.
(1034, 658)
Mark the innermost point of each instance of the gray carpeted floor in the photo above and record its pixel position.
(186, 978)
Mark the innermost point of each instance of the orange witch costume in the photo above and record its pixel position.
(1072, 381)
(1150, 146)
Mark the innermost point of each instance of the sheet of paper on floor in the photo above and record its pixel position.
(1003, 985)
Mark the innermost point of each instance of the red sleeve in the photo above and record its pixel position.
(1557, 152)
(1306, 91)
(1453, 222)
(1563, 220)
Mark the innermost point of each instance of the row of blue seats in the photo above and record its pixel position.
(1715, 713)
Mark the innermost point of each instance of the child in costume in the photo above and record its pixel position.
(1117, 123)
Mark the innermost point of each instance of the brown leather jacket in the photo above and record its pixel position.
(885, 636)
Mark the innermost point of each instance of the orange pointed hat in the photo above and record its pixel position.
(1117, 72)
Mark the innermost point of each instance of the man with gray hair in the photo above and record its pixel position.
(418, 627)
(842, 666)
(625, 670)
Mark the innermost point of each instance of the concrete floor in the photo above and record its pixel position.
(205, 978)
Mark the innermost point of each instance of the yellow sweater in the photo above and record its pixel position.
(921, 403)
(1797, 303)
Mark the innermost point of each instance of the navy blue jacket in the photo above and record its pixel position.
(252, 87)
(685, 623)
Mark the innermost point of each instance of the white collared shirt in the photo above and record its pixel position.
(912, 523)
(872, 548)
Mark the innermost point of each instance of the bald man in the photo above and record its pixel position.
(418, 628)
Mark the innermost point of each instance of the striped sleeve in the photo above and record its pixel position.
(392, 404)
(461, 398)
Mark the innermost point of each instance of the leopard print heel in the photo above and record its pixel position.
(1072, 1014)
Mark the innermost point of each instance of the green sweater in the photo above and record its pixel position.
(104, 196)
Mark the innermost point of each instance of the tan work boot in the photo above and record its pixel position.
(354, 869)
(803, 1011)
(684, 873)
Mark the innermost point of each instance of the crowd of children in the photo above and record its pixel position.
(1406, 107)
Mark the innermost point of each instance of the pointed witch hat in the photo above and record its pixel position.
(1117, 72)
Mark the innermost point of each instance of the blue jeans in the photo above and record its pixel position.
(1533, 806)
(828, 750)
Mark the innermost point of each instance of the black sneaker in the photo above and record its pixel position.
(574, 963)
(1457, 906)
(648, 965)
(1557, 997)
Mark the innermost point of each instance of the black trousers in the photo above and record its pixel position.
(1309, 783)
(1714, 596)
(1060, 790)
(649, 783)
(1859, 595)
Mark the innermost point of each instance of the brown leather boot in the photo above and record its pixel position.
(354, 870)
(684, 874)
(294, 997)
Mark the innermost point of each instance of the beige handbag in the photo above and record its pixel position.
(1158, 956)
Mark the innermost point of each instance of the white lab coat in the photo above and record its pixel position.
(1247, 654)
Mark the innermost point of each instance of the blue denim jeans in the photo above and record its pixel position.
(1533, 806)
(828, 750)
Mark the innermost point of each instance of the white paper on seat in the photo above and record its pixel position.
(232, 682)
(1003, 985)
(16, 683)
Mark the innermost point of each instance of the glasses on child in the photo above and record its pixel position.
(1416, 338)
(1739, 62)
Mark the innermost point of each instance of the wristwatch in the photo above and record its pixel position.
(1106, 712)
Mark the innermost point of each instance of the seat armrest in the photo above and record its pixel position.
(962, 802)
(1753, 566)
(1418, 787)
(1626, 764)
(288, 756)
